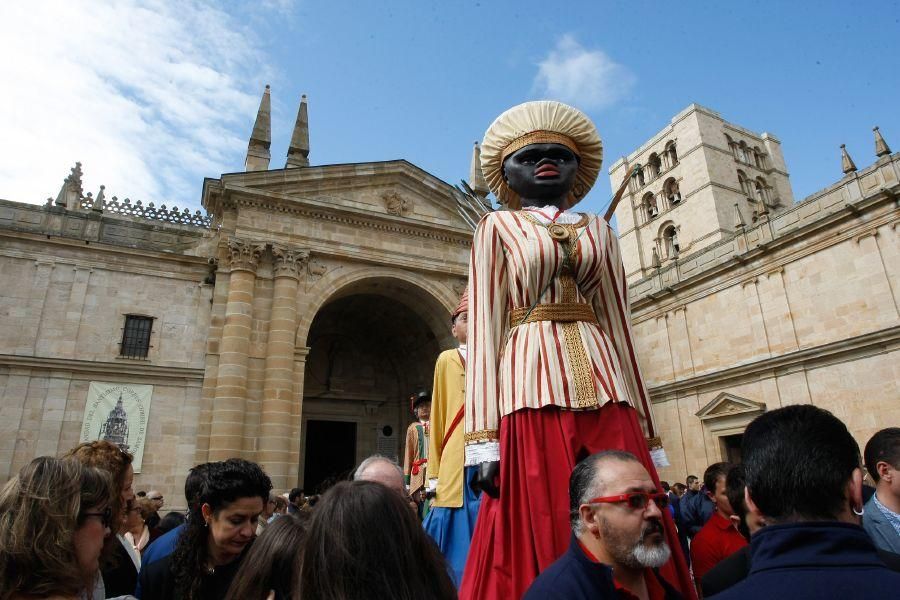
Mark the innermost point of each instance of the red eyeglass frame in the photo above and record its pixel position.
(655, 497)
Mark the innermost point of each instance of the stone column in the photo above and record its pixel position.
(274, 448)
(300, 355)
(227, 431)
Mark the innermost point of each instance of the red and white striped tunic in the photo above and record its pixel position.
(530, 366)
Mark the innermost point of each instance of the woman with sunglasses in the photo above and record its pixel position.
(54, 518)
(219, 530)
(119, 562)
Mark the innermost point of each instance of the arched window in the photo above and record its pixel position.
(745, 185)
(671, 155)
(670, 189)
(670, 241)
(640, 176)
(762, 191)
(650, 207)
(732, 147)
(654, 166)
(759, 158)
(743, 153)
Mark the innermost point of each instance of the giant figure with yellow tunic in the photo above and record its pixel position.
(454, 510)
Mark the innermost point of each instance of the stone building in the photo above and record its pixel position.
(744, 301)
(291, 323)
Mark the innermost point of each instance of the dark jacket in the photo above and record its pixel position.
(573, 577)
(696, 510)
(158, 581)
(119, 575)
(807, 561)
(735, 568)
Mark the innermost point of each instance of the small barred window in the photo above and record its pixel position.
(136, 337)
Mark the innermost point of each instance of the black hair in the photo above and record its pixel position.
(690, 479)
(712, 473)
(883, 447)
(364, 541)
(665, 486)
(193, 484)
(170, 521)
(734, 491)
(797, 463)
(224, 483)
(294, 494)
(582, 479)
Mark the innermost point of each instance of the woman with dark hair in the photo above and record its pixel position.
(119, 563)
(364, 542)
(54, 517)
(216, 536)
(273, 563)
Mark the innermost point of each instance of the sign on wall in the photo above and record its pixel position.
(118, 412)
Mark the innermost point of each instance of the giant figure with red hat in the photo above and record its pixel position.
(454, 510)
(551, 375)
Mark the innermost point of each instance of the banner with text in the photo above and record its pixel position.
(118, 412)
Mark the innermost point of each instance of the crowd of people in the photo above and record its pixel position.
(795, 519)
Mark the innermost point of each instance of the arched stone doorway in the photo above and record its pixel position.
(371, 344)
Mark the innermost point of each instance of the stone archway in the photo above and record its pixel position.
(371, 344)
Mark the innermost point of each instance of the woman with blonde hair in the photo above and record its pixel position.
(119, 563)
(54, 518)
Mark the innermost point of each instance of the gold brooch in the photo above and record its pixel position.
(558, 232)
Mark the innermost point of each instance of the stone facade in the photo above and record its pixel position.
(69, 278)
(691, 183)
(795, 306)
(309, 297)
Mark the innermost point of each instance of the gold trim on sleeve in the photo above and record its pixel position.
(485, 435)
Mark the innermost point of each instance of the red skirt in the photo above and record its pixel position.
(525, 530)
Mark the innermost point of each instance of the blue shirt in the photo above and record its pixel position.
(573, 577)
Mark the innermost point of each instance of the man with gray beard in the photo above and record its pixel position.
(618, 542)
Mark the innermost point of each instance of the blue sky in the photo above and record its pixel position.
(153, 96)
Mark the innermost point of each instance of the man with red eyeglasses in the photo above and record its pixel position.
(618, 542)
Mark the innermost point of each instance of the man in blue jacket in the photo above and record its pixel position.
(617, 543)
(803, 478)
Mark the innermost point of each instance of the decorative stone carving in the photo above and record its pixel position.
(396, 204)
(316, 268)
(288, 262)
(244, 254)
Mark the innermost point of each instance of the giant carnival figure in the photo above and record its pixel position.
(454, 509)
(552, 375)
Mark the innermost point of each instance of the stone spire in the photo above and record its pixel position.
(881, 147)
(258, 154)
(476, 177)
(847, 164)
(298, 151)
(71, 191)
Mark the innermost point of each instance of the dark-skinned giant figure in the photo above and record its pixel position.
(552, 375)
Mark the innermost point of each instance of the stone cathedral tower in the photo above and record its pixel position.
(693, 184)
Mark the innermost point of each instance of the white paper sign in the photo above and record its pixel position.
(118, 412)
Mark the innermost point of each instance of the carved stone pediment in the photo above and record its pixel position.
(729, 405)
(395, 204)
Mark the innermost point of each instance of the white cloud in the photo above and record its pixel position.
(150, 96)
(586, 78)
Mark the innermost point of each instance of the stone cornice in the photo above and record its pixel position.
(868, 344)
(159, 264)
(347, 216)
(135, 371)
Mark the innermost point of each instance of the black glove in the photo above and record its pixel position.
(487, 479)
